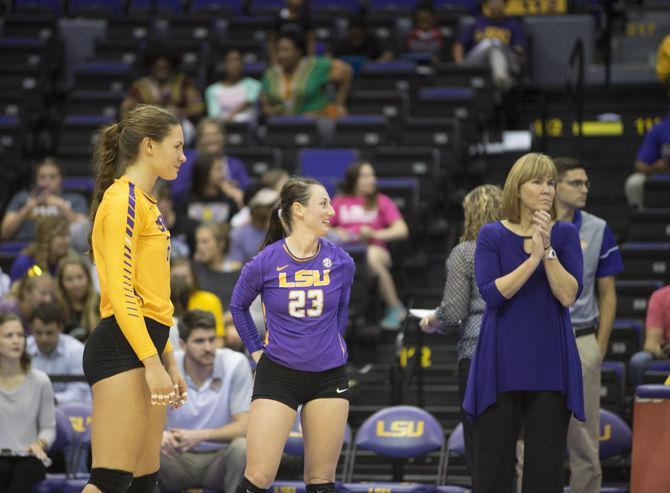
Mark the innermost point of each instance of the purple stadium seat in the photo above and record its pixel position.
(397, 432)
(616, 437)
(326, 165)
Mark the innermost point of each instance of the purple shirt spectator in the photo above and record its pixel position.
(508, 31)
(656, 143)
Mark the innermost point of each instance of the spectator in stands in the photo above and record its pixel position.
(213, 197)
(294, 19)
(27, 412)
(36, 287)
(663, 61)
(182, 228)
(52, 242)
(525, 373)
(360, 43)
(462, 305)
(212, 245)
(45, 200)
(653, 158)
(425, 36)
(246, 240)
(233, 98)
(56, 353)
(273, 179)
(5, 284)
(204, 441)
(498, 41)
(212, 140)
(76, 293)
(165, 86)
(656, 335)
(592, 318)
(186, 294)
(297, 84)
(364, 215)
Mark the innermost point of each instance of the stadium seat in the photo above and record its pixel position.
(127, 49)
(264, 7)
(44, 6)
(238, 134)
(458, 102)
(225, 7)
(390, 103)
(258, 159)
(406, 7)
(106, 76)
(361, 130)
(81, 130)
(422, 163)
(155, 6)
(54, 483)
(249, 28)
(650, 224)
(80, 421)
(388, 76)
(633, 296)
(625, 340)
(299, 131)
(336, 7)
(615, 441)
(646, 260)
(612, 385)
(10, 136)
(656, 190)
(455, 445)
(326, 165)
(398, 432)
(95, 8)
(100, 103)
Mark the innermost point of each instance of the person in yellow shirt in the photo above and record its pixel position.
(186, 295)
(127, 359)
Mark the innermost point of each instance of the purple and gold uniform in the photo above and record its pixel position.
(305, 303)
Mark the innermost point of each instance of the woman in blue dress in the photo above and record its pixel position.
(526, 373)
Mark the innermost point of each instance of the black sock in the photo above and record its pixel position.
(247, 486)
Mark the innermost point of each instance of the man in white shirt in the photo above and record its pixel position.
(56, 353)
(204, 441)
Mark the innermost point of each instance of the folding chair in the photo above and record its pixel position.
(616, 439)
(398, 432)
(80, 422)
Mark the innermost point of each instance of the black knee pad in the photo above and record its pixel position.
(321, 488)
(110, 480)
(247, 486)
(144, 484)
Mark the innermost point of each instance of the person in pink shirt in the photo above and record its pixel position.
(657, 334)
(362, 214)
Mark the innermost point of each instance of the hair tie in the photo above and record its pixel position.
(279, 213)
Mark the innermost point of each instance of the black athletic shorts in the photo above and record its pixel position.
(108, 352)
(294, 387)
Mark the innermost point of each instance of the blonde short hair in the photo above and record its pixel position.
(482, 205)
(528, 167)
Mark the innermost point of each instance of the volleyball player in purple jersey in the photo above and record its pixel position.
(304, 282)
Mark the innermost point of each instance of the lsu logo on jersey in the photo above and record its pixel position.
(400, 429)
(304, 279)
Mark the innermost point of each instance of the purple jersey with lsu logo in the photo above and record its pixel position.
(305, 302)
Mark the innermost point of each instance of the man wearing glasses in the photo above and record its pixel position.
(592, 316)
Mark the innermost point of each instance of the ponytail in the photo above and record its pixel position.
(105, 162)
(296, 189)
(276, 228)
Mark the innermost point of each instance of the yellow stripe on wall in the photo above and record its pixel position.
(598, 129)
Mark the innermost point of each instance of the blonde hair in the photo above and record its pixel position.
(90, 315)
(482, 205)
(528, 167)
(46, 230)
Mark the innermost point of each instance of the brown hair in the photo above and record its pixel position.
(90, 315)
(565, 164)
(351, 179)
(25, 357)
(46, 230)
(220, 231)
(119, 144)
(482, 205)
(296, 189)
(180, 293)
(528, 167)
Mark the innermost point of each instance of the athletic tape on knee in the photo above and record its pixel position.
(321, 488)
(110, 480)
(144, 484)
(247, 486)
